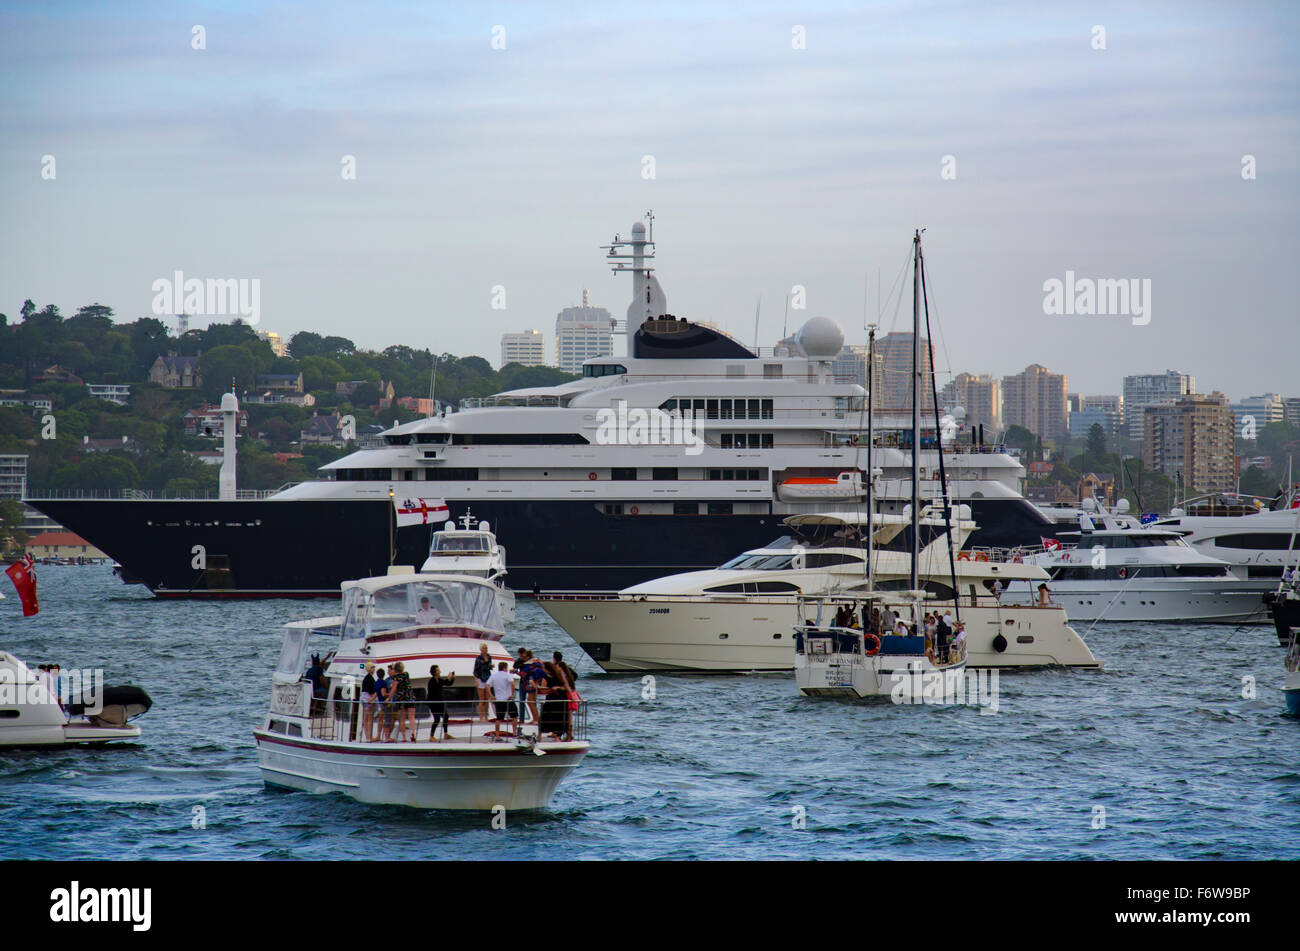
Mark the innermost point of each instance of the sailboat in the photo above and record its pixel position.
(843, 656)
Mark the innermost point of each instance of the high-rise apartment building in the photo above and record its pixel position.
(527, 348)
(582, 333)
(1191, 442)
(1157, 389)
(1035, 399)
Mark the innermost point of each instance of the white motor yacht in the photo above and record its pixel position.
(33, 714)
(474, 552)
(1257, 537)
(338, 743)
(1117, 569)
(738, 617)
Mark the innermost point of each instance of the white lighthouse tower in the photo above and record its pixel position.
(229, 423)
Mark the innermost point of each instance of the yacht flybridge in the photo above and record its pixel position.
(671, 457)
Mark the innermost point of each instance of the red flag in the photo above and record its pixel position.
(1050, 544)
(23, 575)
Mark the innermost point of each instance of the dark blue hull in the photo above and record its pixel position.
(307, 548)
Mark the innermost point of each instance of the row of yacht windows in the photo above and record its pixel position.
(489, 439)
(1264, 541)
(720, 408)
(1085, 573)
(629, 474)
(1127, 541)
(679, 508)
(812, 559)
(745, 440)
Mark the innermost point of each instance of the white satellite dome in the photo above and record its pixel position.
(638, 229)
(228, 403)
(1122, 506)
(958, 412)
(821, 337)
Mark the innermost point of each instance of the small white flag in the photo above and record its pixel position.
(420, 511)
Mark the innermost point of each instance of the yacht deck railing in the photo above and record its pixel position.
(392, 722)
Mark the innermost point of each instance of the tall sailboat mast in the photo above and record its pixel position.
(871, 439)
(916, 405)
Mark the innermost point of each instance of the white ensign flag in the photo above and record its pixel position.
(420, 511)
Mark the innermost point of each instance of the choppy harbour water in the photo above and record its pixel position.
(712, 767)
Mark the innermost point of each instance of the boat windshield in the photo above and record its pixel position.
(419, 604)
(459, 544)
(761, 562)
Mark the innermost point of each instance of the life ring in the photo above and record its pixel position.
(963, 556)
(634, 510)
(981, 556)
(874, 650)
(591, 475)
(1123, 573)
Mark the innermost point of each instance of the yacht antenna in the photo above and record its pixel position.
(433, 386)
(757, 308)
(785, 321)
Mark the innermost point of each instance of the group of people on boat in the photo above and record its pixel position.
(392, 708)
(945, 637)
(514, 692)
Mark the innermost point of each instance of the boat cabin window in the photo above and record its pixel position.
(459, 543)
(603, 369)
(432, 439)
(1264, 541)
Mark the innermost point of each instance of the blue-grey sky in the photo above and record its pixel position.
(774, 166)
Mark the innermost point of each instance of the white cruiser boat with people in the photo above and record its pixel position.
(1116, 569)
(670, 457)
(34, 711)
(474, 552)
(321, 735)
(738, 617)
